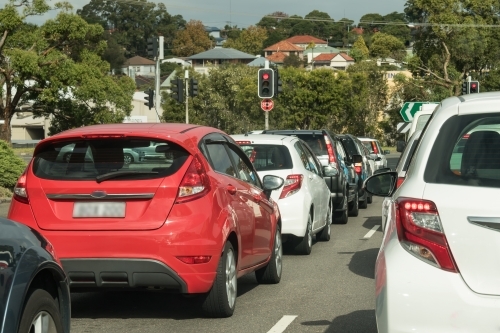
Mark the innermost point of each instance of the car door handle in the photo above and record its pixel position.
(231, 189)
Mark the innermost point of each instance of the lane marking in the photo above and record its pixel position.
(282, 324)
(371, 232)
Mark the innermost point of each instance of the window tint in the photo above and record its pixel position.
(315, 142)
(466, 152)
(340, 151)
(268, 157)
(368, 145)
(302, 155)
(87, 159)
(220, 159)
(421, 121)
(313, 165)
(245, 172)
(349, 146)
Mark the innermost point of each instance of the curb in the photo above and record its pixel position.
(5, 200)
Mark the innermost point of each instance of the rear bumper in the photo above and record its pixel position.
(294, 211)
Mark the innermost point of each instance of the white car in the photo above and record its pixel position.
(304, 200)
(438, 269)
(376, 152)
(401, 168)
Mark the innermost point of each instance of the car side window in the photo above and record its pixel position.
(302, 155)
(243, 167)
(220, 159)
(312, 161)
(340, 151)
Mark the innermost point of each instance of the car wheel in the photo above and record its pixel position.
(342, 217)
(364, 204)
(354, 206)
(127, 159)
(221, 299)
(325, 233)
(271, 274)
(67, 157)
(369, 199)
(41, 314)
(305, 244)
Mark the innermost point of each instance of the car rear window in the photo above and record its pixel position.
(349, 145)
(268, 157)
(130, 159)
(316, 142)
(466, 152)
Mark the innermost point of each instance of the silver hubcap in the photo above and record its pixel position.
(309, 232)
(43, 323)
(278, 252)
(329, 219)
(127, 159)
(230, 278)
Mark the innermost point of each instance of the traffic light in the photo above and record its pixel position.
(266, 83)
(473, 87)
(152, 47)
(278, 89)
(465, 88)
(193, 87)
(177, 87)
(150, 93)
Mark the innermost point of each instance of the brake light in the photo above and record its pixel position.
(420, 232)
(358, 167)
(103, 136)
(243, 142)
(292, 185)
(329, 148)
(375, 148)
(400, 181)
(195, 183)
(20, 193)
(192, 260)
(466, 136)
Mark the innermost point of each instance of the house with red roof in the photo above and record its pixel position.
(303, 41)
(338, 61)
(285, 48)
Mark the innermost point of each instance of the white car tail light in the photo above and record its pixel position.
(292, 185)
(420, 232)
(195, 183)
(329, 148)
(20, 193)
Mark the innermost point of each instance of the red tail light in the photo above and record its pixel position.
(243, 142)
(103, 136)
(358, 167)
(374, 146)
(20, 193)
(420, 232)
(193, 260)
(293, 183)
(195, 183)
(331, 153)
(400, 181)
(466, 136)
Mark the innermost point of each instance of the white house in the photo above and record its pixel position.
(339, 61)
(139, 66)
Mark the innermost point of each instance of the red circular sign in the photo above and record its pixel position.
(267, 104)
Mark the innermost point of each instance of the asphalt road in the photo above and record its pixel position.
(331, 290)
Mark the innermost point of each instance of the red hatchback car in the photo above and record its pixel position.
(191, 222)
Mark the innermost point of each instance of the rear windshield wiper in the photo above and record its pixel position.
(116, 174)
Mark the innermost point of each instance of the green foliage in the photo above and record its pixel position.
(251, 40)
(293, 61)
(11, 166)
(359, 50)
(384, 46)
(192, 40)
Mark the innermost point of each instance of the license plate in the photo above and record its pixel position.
(99, 209)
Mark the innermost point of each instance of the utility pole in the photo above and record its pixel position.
(186, 79)
(159, 57)
(266, 114)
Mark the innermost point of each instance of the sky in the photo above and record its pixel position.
(244, 13)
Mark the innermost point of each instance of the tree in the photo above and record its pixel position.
(359, 50)
(384, 46)
(251, 40)
(192, 40)
(293, 61)
(397, 28)
(11, 167)
(324, 26)
(60, 59)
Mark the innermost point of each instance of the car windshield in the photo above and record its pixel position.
(268, 157)
(108, 159)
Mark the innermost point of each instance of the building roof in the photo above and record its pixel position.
(138, 61)
(330, 56)
(211, 29)
(259, 62)
(278, 57)
(283, 46)
(322, 49)
(358, 31)
(305, 39)
(222, 53)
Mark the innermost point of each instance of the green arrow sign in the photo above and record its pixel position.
(410, 108)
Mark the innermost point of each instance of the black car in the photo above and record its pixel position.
(354, 147)
(34, 290)
(338, 170)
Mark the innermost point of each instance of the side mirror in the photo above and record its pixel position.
(387, 152)
(382, 170)
(357, 159)
(272, 183)
(329, 171)
(400, 146)
(382, 184)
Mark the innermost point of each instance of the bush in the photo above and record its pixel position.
(5, 193)
(11, 166)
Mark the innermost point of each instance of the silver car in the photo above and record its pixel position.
(376, 152)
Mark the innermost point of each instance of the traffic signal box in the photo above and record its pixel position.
(177, 87)
(150, 93)
(266, 83)
(278, 89)
(152, 47)
(193, 87)
(470, 87)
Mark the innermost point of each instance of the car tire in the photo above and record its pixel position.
(41, 308)
(304, 246)
(364, 204)
(271, 273)
(354, 206)
(127, 159)
(369, 199)
(343, 216)
(221, 299)
(325, 234)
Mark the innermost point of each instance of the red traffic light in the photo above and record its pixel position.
(265, 76)
(473, 86)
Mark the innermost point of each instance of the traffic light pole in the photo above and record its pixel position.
(186, 79)
(266, 114)
(157, 89)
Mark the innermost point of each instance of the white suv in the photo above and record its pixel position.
(438, 269)
(304, 200)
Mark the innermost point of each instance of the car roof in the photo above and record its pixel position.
(366, 139)
(290, 131)
(264, 138)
